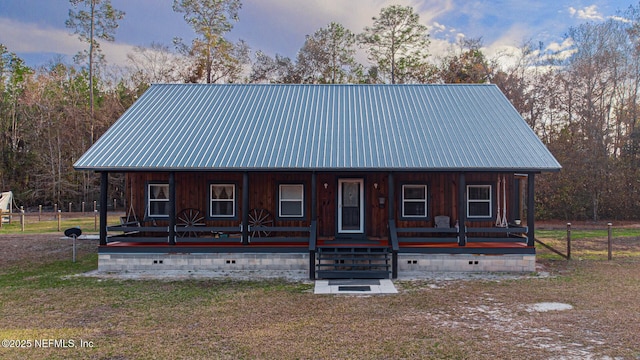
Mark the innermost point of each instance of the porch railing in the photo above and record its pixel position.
(512, 234)
(431, 235)
(217, 234)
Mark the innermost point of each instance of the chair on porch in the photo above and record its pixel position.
(442, 222)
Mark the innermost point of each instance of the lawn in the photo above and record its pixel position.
(48, 223)
(52, 312)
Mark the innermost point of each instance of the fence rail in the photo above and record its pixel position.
(48, 221)
(568, 239)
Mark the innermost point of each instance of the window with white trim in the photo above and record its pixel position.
(479, 203)
(222, 200)
(291, 200)
(158, 200)
(414, 201)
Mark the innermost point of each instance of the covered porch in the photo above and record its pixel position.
(393, 235)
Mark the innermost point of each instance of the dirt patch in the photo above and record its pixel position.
(38, 248)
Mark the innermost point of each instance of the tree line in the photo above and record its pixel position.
(581, 98)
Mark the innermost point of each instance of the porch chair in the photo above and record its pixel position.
(442, 222)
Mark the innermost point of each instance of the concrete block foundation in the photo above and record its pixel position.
(465, 263)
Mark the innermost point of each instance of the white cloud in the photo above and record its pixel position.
(556, 47)
(29, 38)
(305, 17)
(620, 19)
(587, 13)
(437, 27)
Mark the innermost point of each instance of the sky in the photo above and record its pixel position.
(35, 29)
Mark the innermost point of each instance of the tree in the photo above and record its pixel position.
(469, 66)
(216, 58)
(156, 64)
(278, 70)
(327, 56)
(397, 43)
(98, 20)
(15, 159)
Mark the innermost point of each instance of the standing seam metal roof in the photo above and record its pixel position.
(320, 127)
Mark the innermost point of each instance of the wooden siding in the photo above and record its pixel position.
(192, 191)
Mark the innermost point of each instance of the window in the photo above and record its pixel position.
(479, 201)
(158, 200)
(414, 201)
(223, 200)
(291, 200)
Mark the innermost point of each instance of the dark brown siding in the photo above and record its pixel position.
(192, 191)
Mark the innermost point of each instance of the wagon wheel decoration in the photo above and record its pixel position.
(260, 217)
(189, 217)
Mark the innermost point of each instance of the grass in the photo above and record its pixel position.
(46, 298)
(591, 244)
(577, 234)
(49, 224)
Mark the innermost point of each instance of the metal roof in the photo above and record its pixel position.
(323, 127)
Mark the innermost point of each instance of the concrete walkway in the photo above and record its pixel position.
(355, 287)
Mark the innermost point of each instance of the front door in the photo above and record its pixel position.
(350, 206)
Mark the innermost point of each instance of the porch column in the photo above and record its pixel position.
(531, 209)
(314, 219)
(462, 210)
(392, 197)
(104, 182)
(172, 208)
(314, 197)
(515, 199)
(393, 235)
(245, 208)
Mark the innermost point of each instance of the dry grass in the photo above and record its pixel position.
(204, 319)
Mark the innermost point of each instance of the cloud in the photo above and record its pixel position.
(436, 27)
(620, 19)
(587, 13)
(556, 47)
(286, 22)
(30, 38)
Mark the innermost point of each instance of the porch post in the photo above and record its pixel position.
(393, 235)
(531, 209)
(245, 208)
(172, 208)
(104, 182)
(312, 234)
(392, 196)
(515, 198)
(314, 197)
(462, 210)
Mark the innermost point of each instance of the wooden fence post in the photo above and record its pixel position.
(39, 212)
(22, 218)
(59, 220)
(69, 207)
(95, 220)
(82, 207)
(609, 242)
(568, 241)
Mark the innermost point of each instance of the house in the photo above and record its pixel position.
(335, 181)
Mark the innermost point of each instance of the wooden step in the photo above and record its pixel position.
(350, 262)
(352, 274)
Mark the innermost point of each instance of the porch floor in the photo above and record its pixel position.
(443, 247)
